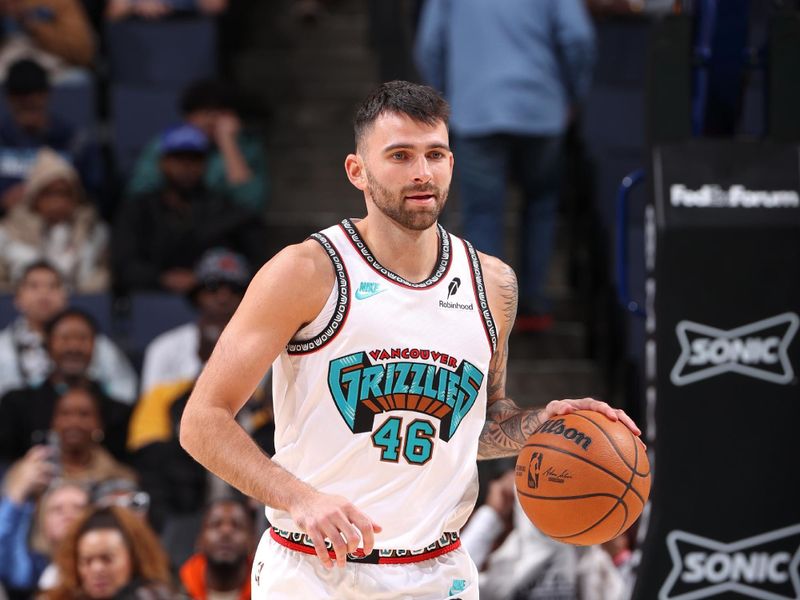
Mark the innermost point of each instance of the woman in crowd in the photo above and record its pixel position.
(54, 222)
(110, 553)
(79, 430)
(74, 451)
(28, 535)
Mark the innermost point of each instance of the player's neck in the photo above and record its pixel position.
(411, 254)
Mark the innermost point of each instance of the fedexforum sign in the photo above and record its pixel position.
(736, 196)
(759, 350)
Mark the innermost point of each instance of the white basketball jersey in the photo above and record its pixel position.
(385, 404)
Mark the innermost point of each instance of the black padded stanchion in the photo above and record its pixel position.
(723, 353)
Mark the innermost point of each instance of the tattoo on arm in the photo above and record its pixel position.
(507, 425)
(509, 292)
(507, 428)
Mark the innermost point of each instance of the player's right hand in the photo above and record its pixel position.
(323, 516)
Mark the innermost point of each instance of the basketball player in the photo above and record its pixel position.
(388, 340)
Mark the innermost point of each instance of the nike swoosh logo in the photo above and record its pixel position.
(364, 294)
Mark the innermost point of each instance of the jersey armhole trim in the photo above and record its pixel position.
(479, 287)
(342, 303)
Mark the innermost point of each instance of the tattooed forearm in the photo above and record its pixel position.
(507, 428)
(507, 425)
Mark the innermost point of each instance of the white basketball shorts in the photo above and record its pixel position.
(287, 570)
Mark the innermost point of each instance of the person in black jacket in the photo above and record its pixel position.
(160, 236)
(26, 413)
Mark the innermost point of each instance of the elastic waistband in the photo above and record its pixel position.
(300, 542)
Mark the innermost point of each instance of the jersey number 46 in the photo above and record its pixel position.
(414, 442)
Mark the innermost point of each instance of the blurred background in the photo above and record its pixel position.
(636, 161)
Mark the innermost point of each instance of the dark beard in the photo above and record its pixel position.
(185, 192)
(394, 208)
(226, 570)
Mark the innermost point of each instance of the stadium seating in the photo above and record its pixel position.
(138, 114)
(169, 53)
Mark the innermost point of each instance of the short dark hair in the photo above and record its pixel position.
(420, 102)
(208, 94)
(41, 264)
(26, 76)
(231, 498)
(87, 388)
(65, 314)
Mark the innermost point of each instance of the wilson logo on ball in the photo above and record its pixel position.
(582, 478)
(556, 427)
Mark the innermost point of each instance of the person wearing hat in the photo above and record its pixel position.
(237, 165)
(29, 125)
(160, 235)
(172, 362)
(53, 222)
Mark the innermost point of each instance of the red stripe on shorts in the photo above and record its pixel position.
(383, 560)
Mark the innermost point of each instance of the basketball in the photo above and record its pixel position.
(583, 479)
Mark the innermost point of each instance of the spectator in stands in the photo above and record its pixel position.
(33, 522)
(172, 362)
(26, 414)
(161, 235)
(535, 60)
(56, 33)
(236, 166)
(54, 222)
(221, 567)
(111, 554)
(30, 126)
(40, 295)
(117, 10)
(527, 564)
(78, 428)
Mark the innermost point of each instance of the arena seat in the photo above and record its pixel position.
(153, 313)
(97, 305)
(138, 114)
(171, 53)
(7, 311)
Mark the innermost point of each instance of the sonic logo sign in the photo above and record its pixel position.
(764, 566)
(759, 350)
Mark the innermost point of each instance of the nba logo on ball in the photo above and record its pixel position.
(582, 479)
(533, 470)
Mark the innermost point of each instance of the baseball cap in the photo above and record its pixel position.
(220, 265)
(183, 138)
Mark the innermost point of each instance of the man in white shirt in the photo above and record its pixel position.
(173, 360)
(40, 295)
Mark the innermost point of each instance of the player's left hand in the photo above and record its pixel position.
(564, 407)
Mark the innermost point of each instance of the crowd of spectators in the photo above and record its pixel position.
(90, 464)
(97, 499)
(67, 443)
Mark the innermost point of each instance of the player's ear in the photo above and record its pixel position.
(354, 167)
